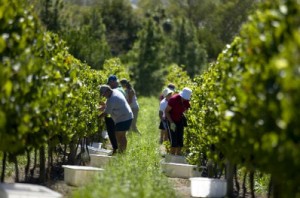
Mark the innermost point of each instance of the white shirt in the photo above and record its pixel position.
(134, 103)
(163, 105)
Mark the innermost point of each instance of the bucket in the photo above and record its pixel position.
(208, 187)
(97, 145)
(80, 175)
(179, 170)
(100, 160)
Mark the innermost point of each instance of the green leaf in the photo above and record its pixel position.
(8, 86)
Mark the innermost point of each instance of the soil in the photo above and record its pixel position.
(182, 187)
(61, 187)
(56, 183)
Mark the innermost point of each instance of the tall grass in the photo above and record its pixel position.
(137, 172)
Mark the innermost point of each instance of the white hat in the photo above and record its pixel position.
(103, 89)
(166, 92)
(186, 93)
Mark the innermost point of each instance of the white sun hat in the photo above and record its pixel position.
(186, 93)
(166, 92)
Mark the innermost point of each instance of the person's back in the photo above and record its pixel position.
(118, 107)
(178, 107)
(131, 98)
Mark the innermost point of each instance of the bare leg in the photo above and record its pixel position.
(173, 150)
(122, 140)
(133, 126)
(178, 151)
(165, 135)
(161, 137)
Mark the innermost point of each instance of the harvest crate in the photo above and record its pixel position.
(179, 170)
(20, 190)
(100, 160)
(80, 175)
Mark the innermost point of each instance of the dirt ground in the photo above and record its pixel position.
(182, 187)
(61, 187)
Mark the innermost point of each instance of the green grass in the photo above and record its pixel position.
(136, 173)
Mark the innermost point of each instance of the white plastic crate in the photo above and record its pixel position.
(97, 145)
(80, 175)
(102, 151)
(179, 170)
(100, 160)
(208, 187)
(20, 190)
(93, 150)
(175, 159)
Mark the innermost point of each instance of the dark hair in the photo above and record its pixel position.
(171, 86)
(126, 83)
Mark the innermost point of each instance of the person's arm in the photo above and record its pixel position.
(101, 106)
(103, 114)
(188, 106)
(168, 116)
(160, 114)
(167, 113)
(106, 109)
(130, 96)
(162, 107)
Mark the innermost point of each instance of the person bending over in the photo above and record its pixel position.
(174, 112)
(120, 111)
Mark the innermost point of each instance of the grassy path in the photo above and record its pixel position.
(136, 173)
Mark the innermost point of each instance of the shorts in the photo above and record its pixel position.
(176, 137)
(163, 125)
(123, 126)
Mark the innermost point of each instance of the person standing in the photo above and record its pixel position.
(177, 105)
(112, 81)
(130, 95)
(120, 111)
(167, 93)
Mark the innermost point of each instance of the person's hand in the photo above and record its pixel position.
(101, 115)
(173, 126)
(102, 108)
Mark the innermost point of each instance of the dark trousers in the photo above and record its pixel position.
(110, 127)
(176, 137)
